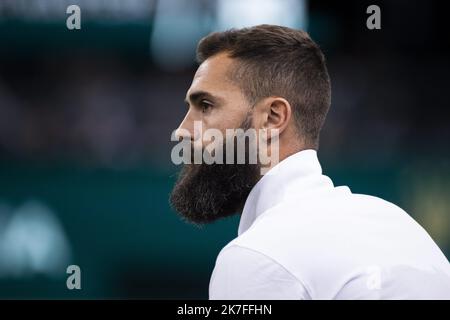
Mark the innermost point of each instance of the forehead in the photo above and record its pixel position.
(213, 75)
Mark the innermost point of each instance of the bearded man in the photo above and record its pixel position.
(299, 236)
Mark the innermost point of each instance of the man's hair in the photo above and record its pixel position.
(277, 61)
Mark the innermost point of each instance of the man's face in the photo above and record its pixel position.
(207, 192)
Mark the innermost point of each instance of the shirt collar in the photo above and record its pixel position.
(295, 175)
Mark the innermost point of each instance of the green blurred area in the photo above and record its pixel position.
(124, 237)
(27, 38)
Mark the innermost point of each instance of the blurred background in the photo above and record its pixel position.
(86, 117)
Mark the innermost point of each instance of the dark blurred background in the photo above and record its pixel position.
(86, 117)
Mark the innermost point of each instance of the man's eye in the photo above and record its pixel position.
(205, 106)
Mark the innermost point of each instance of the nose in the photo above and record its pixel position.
(187, 128)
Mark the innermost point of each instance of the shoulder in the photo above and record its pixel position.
(328, 225)
(244, 273)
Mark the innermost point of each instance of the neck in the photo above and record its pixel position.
(286, 148)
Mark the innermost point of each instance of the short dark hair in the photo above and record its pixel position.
(275, 60)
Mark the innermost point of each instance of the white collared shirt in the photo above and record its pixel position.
(300, 237)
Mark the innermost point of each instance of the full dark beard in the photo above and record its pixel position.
(204, 193)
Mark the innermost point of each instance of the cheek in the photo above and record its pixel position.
(215, 127)
(226, 117)
(216, 119)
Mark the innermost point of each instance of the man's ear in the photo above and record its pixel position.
(276, 113)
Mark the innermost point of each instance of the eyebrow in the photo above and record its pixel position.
(196, 96)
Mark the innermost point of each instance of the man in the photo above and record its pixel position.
(299, 236)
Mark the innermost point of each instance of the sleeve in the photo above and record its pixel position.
(245, 274)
